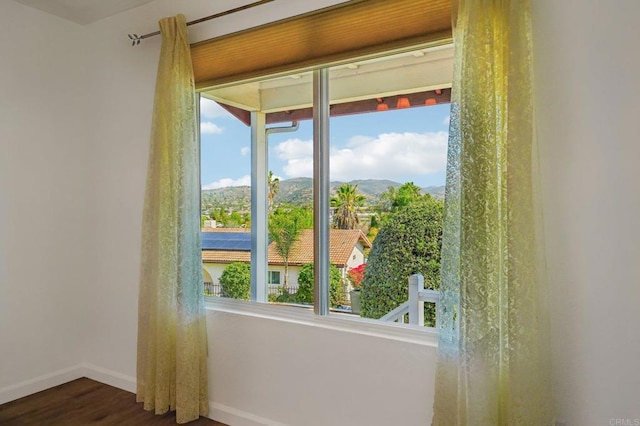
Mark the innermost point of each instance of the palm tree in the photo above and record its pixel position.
(273, 187)
(346, 202)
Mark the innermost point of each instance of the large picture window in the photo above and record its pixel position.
(385, 137)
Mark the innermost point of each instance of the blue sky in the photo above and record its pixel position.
(401, 145)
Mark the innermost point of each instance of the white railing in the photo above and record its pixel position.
(415, 305)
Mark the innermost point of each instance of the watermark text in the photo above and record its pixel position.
(624, 422)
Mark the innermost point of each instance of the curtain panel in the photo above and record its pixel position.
(494, 361)
(172, 340)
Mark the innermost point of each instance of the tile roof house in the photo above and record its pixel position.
(222, 246)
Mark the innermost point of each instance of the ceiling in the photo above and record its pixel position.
(83, 11)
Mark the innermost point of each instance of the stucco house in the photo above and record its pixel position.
(222, 246)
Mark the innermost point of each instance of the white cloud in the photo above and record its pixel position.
(211, 109)
(298, 155)
(294, 148)
(446, 120)
(209, 128)
(222, 183)
(388, 156)
(245, 150)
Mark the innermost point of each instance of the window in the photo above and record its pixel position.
(274, 277)
(355, 60)
(387, 123)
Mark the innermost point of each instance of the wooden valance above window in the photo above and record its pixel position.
(329, 36)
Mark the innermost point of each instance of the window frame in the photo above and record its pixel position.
(407, 333)
(320, 316)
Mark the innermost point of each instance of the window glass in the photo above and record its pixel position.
(225, 155)
(274, 277)
(389, 132)
(388, 141)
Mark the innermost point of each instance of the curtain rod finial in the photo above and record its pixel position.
(135, 39)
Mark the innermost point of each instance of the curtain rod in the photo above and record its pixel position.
(135, 39)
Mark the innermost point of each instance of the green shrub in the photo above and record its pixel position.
(283, 297)
(235, 281)
(409, 243)
(305, 286)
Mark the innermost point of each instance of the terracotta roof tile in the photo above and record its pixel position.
(225, 256)
(341, 244)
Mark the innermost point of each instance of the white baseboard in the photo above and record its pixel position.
(40, 383)
(219, 412)
(109, 377)
(233, 416)
(56, 378)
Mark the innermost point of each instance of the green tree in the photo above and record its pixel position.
(285, 225)
(219, 215)
(304, 214)
(305, 289)
(387, 199)
(346, 201)
(407, 194)
(234, 219)
(273, 187)
(394, 199)
(409, 243)
(235, 281)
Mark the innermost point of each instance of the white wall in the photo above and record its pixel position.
(43, 196)
(298, 374)
(215, 271)
(53, 166)
(356, 258)
(588, 102)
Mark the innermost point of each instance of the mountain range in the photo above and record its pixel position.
(298, 191)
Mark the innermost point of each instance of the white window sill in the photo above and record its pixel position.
(339, 322)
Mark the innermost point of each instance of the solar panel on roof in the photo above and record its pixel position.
(239, 241)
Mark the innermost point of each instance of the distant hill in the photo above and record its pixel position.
(370, 188)
(436, 191)
(299, 191)
(236, 198)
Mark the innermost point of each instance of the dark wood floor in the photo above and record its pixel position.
(84, 402)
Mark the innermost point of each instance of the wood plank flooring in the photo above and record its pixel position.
(84, 402)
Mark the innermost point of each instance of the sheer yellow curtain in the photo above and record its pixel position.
(494, 362)
(172, 345)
